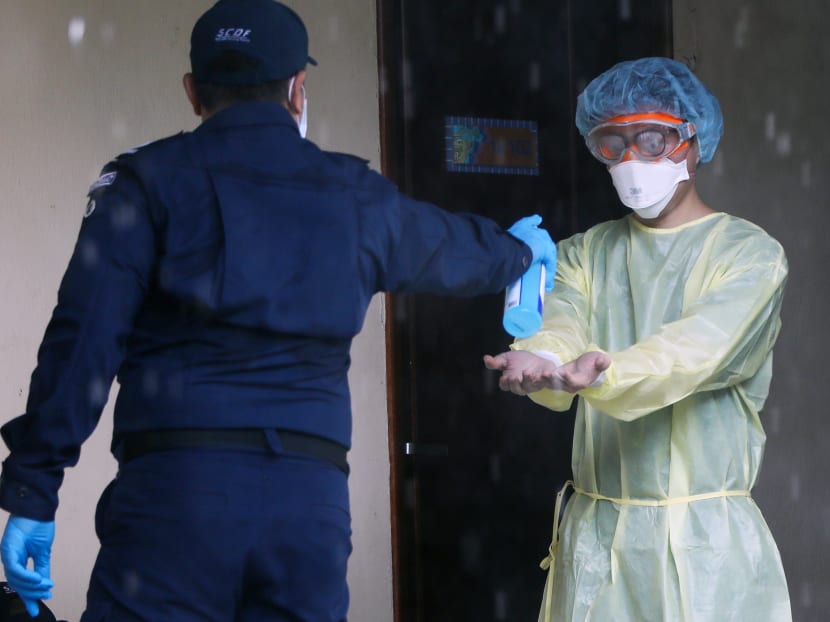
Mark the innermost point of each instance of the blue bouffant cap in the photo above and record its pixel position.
(652, 85)
(266, 32)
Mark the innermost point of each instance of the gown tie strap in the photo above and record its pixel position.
(548, 562)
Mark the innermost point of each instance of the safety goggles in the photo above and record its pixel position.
(649, 136)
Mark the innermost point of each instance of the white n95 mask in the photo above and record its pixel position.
(647, 187)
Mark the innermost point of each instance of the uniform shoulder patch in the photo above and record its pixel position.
(107, 179)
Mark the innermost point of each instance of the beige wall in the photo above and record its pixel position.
(83, 80)
(767, 62)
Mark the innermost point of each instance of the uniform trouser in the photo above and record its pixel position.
(220, 535)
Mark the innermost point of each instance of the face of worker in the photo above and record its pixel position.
(651, 157)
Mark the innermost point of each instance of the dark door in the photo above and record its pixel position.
(475, 470)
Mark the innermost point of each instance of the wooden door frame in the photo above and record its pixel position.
(392, 158)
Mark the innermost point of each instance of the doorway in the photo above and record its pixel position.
(475, 470)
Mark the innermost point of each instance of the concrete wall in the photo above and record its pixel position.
(767, 62)
(86, 79)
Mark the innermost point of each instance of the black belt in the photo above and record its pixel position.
(135, 444)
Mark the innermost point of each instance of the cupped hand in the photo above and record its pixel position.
(521, 372)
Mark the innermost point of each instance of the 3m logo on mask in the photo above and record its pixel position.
(238, 35)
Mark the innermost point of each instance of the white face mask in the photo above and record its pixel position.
(647, 187)
(302, 124)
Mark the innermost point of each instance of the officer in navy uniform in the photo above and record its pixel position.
(222, 274)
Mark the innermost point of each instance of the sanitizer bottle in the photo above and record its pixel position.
(523, 303)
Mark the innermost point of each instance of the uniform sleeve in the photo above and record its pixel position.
(565, 323)
(723, 338)
(435, 251)
(83, 346)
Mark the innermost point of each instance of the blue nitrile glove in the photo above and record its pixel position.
(25, 538)
(540, 242)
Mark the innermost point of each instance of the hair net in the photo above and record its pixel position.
(654, 84)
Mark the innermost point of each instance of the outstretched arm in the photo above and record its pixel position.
(722, 337)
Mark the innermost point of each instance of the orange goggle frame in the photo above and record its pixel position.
(685, 129)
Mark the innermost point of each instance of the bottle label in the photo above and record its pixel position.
(513, 294)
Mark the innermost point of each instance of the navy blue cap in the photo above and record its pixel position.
(268, 33)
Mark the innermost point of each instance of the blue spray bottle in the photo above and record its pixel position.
(524, 302)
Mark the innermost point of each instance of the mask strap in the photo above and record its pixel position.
(302, 124)
(290, 87)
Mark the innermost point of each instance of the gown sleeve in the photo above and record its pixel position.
(565, 325)
(725, 334)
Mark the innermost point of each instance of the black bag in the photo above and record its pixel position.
(12, 608)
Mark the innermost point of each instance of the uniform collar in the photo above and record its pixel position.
(249, 113)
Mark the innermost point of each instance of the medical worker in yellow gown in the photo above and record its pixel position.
(663, 322)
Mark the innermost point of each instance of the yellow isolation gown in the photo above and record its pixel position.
(667, 447)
